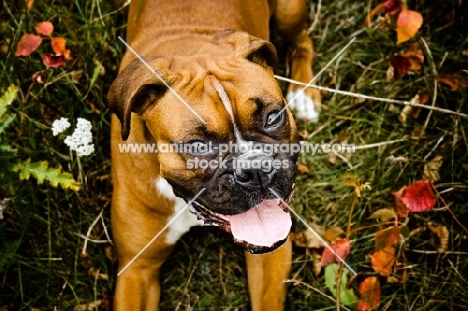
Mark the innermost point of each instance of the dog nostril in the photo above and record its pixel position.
(243, 176)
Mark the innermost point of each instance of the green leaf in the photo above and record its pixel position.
(347, 296)
(6, 148)
(383, 214)
(41, 172)
(7, 98)
(6, 122)
(96, 71)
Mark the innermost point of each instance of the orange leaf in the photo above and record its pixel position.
(302, 168)
(28, 44)
(383, 260)
(372, 13)
(415, 56)
(408, 24)
(400, 208)
(44, 28)
(53, 61)
(341, 247)
(29, 4)
(456, 81)
(369, 291)
(419, 196)
(386, 237)
(58, 45)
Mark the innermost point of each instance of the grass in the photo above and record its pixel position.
(41, 261)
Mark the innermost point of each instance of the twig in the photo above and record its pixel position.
(316, 17)
(420, 251)
(374, 145)
(434, 75)
(85, 245)
(386, 100)
(447, 207)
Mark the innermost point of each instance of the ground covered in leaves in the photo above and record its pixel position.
(395, 208)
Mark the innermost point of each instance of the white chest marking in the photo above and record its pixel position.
(186, 220)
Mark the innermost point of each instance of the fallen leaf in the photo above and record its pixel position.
(44, 28)
(369, 291)
(431, 169)
(401, 65)
(383, 260)
(59, 47)
(455, 82)
(305, 238)
(383, 214)
(386, 237)
(392, 6)
(28, 44)
(419, 197)
(333, 233)
(400, 208)
(53, 61)
(442, 234)
(419, 99)
(408, 24)
(415, 55)
(374, 12)
(302, 168)
(29, 4)
(341, 247)
(37, 76)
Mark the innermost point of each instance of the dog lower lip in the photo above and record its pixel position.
(223, 221)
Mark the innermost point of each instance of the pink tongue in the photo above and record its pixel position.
(262, 225)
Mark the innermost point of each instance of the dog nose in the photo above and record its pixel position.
(254, 170)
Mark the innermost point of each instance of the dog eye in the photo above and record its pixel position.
(275, 119)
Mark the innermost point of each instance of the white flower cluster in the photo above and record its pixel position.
(81, 139)
(59, 126)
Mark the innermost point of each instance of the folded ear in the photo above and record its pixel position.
(254, 49)
(134, 90)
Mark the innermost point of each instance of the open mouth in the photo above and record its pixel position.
(261, 229)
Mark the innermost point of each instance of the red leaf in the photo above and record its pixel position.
(400, 64)
(383, 260)
(44, 28)
(408, 24)
(369, 291)
(400, 208)
(28, 44)
(386, 237)
(341, 247)
(392, 6)
(37, 76)
(53, 61)
(419, 196)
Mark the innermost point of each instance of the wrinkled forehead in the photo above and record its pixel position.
(220, 90)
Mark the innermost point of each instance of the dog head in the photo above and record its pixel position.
(223, 127)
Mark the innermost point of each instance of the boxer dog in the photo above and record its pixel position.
(215, 57)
